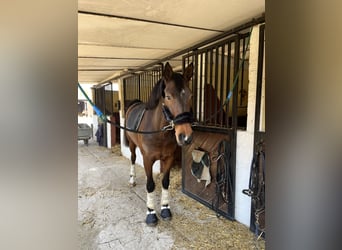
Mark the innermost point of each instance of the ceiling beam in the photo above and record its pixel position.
(121, 58)
(100, 69)
(118, 46)
(145, 20)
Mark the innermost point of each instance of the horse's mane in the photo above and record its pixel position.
(158, 90)
(156, 94)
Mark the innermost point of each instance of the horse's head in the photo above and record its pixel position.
(177, 99)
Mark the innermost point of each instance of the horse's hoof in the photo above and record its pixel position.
(165, 213)
(151, 218)
(132, 181)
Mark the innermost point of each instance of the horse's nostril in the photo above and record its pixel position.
(188, 140)
(181, 137)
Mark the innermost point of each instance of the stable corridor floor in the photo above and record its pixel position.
(111, 215)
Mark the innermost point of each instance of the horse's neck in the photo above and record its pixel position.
(158, 119)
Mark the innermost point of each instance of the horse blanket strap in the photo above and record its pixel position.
(200, 167)
(137, 113)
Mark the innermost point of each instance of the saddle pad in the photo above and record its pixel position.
(136, 114)
(200, 166)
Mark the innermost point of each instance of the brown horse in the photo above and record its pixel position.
(169, 103)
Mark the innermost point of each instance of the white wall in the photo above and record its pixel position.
(109, 133)
(245, 139)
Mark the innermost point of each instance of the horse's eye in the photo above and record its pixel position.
(168, 97)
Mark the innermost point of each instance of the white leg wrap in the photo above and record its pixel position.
(132, 172)
(132, 175)
(165, 197)
(150, 200)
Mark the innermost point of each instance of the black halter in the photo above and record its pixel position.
(185, 117)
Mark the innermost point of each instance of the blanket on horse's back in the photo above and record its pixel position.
(135, 116)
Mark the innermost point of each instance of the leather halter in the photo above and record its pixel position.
(185, 117)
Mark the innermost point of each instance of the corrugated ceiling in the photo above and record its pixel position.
(119, 35)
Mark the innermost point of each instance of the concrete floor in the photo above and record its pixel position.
(111, 215)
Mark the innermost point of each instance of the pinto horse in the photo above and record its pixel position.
(169, 103)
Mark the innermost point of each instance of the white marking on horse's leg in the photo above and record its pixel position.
(165, 197)
(132, 175)
(150, 200)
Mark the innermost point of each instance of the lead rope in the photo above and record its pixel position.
(240, 68)
(170, 126)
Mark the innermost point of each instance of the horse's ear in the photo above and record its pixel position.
(167, 74)
(188, 72)
(162, 88)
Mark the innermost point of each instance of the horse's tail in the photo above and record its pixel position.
(126, 142)
(125, 132)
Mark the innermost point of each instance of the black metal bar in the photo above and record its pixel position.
(222, 83)
(124, 90)
(216, 84)
(211, 67)
(195, 83)
(235, 91)
(254, 21)
(206, 77)
(134, 86)
(141, 86)
(183, 63)
(211, 64)
(259, 78)
(194, 59)
(138, 87)
(200, 89)
(153, 78)
(145, 75)
(242, 69)
(146, 81)
(99, 70)
(111, 98)
(121, 58)
(228, 82)
(145, 20)
(214, 45)
(128, 89)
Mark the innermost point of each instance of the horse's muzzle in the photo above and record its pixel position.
(183, 139)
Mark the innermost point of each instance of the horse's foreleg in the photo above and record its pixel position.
(165, 212)
(165, 199)
(132, 175)
(151, 218)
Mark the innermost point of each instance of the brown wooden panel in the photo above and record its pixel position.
(207, 141)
